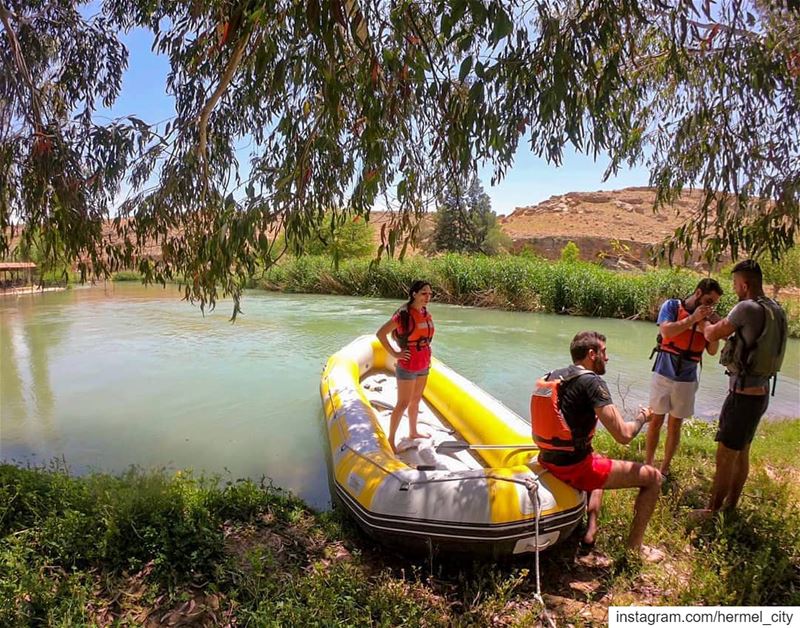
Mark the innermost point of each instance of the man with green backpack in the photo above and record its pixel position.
(756, 332)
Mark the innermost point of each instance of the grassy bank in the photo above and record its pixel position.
(508, 282)
(149, 547)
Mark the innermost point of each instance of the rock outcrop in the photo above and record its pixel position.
(616, 227)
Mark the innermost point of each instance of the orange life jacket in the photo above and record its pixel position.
(550, 430)
(417, 329)
(689, 344)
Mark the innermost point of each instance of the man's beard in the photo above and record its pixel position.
(599, 365)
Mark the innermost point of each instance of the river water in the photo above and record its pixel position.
(109, 377)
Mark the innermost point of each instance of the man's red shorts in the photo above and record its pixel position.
(587, 475)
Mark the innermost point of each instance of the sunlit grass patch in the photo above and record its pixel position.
(338, 593)
(743, 558)
(752, 556)
(776, 443)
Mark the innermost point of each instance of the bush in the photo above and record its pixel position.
(570, 252)
(496, 241)
(122, 522)
(782, 273)
(127, 275)
(340, 237)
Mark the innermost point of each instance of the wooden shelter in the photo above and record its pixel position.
(11, 274)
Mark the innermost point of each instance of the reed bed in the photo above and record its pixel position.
(509, 282)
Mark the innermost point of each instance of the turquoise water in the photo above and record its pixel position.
(125, 375)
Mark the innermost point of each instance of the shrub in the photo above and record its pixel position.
(782, 273)
(122, 522)
(570, 252)
(127, 275)
(341, 237)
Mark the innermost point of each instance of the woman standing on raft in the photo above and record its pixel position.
(412, 328)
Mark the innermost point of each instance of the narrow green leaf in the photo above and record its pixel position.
(466, 66)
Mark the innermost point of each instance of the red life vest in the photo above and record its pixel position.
(422, 331)
(550, 430)
(416, 329)
(689, 344)
(415, 334)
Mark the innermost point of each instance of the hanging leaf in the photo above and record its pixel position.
(501, 28)
(466, 66)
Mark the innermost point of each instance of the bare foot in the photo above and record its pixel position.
(591, 532)
(419, 435)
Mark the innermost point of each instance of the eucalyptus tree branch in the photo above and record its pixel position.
(711, 26)
(222, 86)
(354, 12)
(312, 136)
(22, 67)
(417, 31)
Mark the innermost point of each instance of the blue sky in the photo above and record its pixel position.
(530, 181)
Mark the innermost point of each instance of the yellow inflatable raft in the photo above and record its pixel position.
(473, 486)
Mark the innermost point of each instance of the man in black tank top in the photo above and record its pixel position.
(584, 400)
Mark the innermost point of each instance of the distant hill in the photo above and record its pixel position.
(618, 226)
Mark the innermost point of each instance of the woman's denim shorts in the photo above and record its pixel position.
(406, 374)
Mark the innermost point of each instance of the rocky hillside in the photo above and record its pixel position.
(618, 226)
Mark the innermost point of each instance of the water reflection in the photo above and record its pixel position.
(136, 376)
(11, 384)
(28, 338)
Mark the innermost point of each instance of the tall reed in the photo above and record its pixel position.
(510, 282)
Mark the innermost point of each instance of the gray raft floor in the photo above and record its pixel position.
(381, 390)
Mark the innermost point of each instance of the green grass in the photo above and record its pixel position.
(144, 546)
(750, 557)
